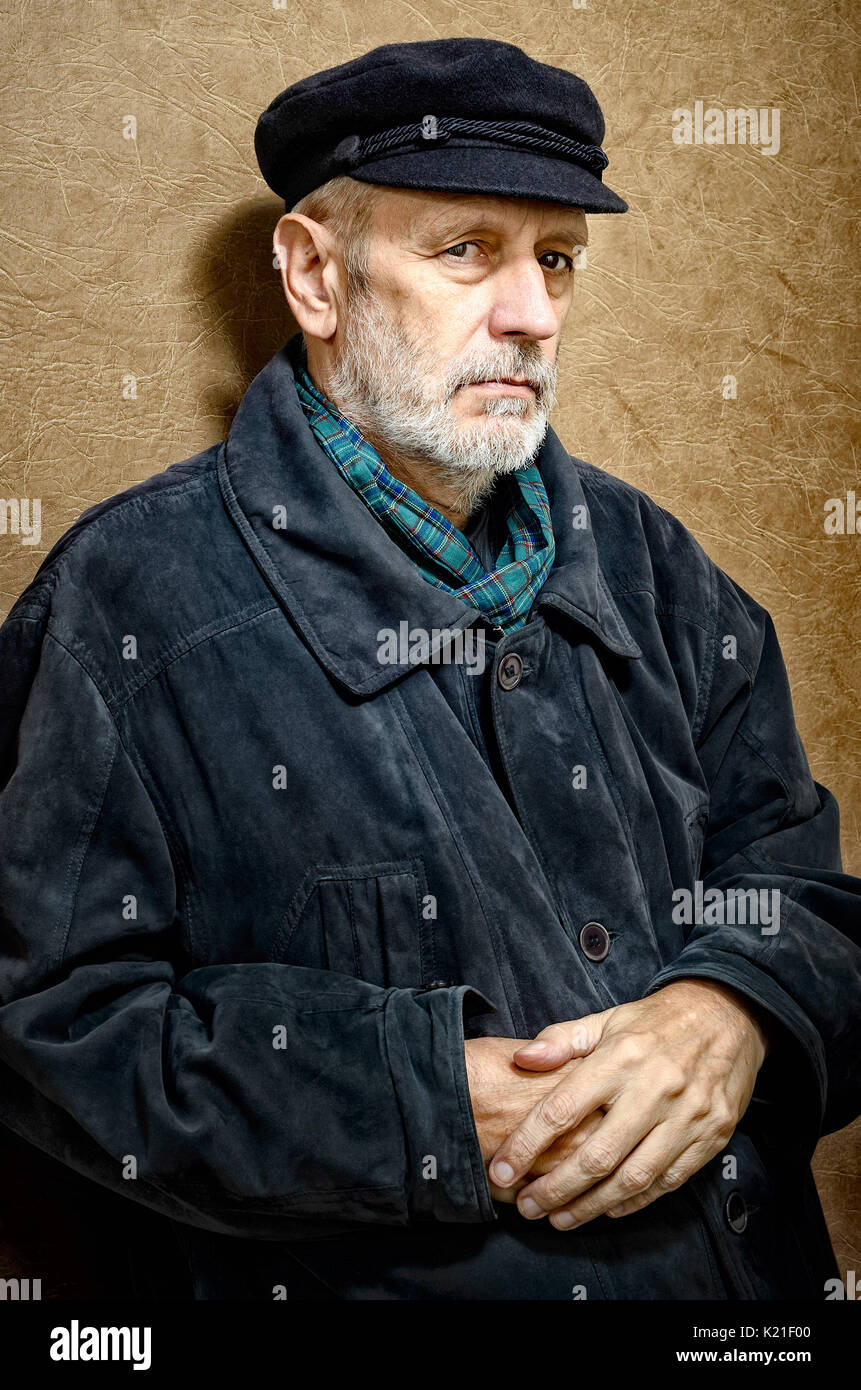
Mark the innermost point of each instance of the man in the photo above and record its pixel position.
(437, 901)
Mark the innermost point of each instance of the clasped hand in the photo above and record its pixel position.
(606, 1113)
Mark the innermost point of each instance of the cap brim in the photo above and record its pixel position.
(508, 172)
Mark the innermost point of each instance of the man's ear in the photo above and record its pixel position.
(310, 273)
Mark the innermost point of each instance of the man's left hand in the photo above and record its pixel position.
(674, 1073)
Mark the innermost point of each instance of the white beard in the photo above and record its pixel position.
(381, 383)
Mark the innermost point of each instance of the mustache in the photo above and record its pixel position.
(527, 363)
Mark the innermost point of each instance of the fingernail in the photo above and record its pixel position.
(533, 1048)
(502, 1174)
(564, 1221)
(529, 1207)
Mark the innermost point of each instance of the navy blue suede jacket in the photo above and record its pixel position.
(259, 876)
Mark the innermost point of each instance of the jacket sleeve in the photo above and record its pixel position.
(254, 1098)
(773, 829)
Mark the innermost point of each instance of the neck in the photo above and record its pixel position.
(456, 494)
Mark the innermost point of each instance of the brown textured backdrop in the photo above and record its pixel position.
(150, 258)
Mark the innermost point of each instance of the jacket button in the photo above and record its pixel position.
(441, 984)
(594, 941)
(735, 1211)
(509, 671)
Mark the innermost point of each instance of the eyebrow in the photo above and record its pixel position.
(578, 236)
(446, 228)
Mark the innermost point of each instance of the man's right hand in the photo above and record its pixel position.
(502, 1094)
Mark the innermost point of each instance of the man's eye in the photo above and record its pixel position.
(567, 262)
(458, 251)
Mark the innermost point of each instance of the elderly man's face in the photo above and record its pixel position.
(449, 354)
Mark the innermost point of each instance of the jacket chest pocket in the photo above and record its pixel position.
(371, 921)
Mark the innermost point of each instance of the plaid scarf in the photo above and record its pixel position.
(443, 554)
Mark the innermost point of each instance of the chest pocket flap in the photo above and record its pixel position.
(369, 921)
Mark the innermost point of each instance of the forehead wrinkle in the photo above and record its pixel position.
(429, 219)
(478, 213)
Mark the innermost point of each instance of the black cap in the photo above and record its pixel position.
(450, 115)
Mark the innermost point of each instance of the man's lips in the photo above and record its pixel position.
(505, 386)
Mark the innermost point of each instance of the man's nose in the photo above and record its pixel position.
(521, 303)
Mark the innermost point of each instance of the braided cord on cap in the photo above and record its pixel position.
(437, 130)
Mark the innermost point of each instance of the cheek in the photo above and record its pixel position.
(448, 315)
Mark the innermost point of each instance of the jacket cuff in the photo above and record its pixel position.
(793, 1075)
(446, 1178)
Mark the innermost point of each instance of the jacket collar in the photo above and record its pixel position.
(341, 578)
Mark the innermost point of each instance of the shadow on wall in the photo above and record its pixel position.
(233, 278)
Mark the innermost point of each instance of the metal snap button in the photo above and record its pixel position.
(441, 984)
(594, 941)
(735, 1211)
(509, 671)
